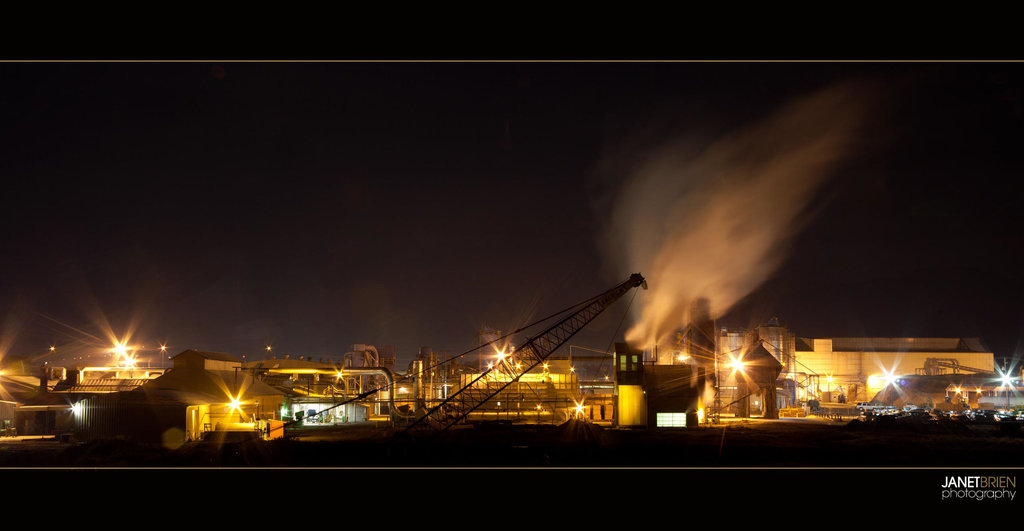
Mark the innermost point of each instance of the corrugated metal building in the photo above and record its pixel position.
(131, 415)
(859, 366)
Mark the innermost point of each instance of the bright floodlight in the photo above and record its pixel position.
(1005, 379)
(52, 348)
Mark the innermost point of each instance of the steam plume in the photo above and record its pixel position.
(714, 221)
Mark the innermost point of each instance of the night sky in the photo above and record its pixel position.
(225, 206)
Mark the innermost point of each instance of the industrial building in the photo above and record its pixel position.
(313, 388)
(28, 404)
(203, 392)
(658, 396)
(760, 372)
(705, 374)
(848, 370)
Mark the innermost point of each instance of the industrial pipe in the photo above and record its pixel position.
(388, 375)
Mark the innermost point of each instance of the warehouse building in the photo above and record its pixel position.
(847, 370)
(204, 393)
(858, 368)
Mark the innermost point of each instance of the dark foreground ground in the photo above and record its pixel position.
(785, 443)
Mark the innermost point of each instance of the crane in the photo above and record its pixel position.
(530, 354)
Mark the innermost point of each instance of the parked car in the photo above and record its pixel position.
(983, 415)
(1005, 416)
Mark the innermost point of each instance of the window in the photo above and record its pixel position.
(670, 420)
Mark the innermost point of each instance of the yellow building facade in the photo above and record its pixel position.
(861, 367)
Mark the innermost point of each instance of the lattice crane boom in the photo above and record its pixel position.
(532, 353)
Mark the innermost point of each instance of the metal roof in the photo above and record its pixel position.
(221, 356)
(105, 385)
(217, 385)
(899, 344)
(280, 363)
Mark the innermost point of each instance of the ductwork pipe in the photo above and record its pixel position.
(389, 376)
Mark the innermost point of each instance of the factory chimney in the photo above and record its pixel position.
(700, 332)
(44, 378)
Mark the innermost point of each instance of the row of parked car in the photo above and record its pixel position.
(869, 409)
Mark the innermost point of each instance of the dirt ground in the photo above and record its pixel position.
(746, 443)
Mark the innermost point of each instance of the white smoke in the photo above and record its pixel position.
(714, 220)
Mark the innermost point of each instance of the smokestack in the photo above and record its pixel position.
(700, 310)
(700, 331)
(44, 379)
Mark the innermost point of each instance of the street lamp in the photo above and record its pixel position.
(1006, 380)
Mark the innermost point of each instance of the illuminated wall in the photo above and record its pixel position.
(632, 406)
(867, 369)
(196, 419)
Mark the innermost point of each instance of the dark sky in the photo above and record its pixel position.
(223, 206)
